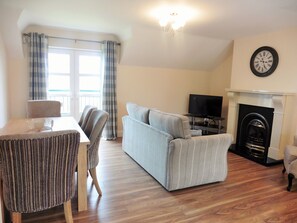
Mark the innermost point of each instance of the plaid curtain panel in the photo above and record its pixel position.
(38, 66)
(109, 97)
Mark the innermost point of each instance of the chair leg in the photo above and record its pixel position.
(68, 211)
(284, 170)
(290, 180)
(2, 211)
(16, 217)
(95, 181)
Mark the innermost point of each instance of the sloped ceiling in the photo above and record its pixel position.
(204, 41)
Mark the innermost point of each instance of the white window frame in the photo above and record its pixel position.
(76, 106)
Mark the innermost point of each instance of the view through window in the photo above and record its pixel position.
(75, 79)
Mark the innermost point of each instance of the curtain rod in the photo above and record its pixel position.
(65, 38)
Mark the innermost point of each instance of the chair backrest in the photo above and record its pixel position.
(93, 130)
(85, 115)
(38, 169)
(43, 108)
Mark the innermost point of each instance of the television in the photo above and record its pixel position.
(205, 105)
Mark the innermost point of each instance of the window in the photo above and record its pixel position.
(75, 79)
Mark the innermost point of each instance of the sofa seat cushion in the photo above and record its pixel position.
(176, 125)
(137, 112)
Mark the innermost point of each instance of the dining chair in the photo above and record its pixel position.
(38, 171)
(93, 131)
(43, 108)
(85, 115)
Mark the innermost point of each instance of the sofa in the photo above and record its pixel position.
(162, 144)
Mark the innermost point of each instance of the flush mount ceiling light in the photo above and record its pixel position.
(173, 19)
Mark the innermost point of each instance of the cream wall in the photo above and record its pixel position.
(3, 85)
(164, 89)
(18, 78)
(285, 76)
(18, 85)
(220, 80)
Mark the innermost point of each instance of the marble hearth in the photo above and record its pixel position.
(284, 117)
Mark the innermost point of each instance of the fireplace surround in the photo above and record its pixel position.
(265, 136)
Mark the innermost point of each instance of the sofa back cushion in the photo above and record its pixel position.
(176, 125)
(138, 112)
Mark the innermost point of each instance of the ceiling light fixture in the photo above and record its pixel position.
(173, 18)
(172, 22)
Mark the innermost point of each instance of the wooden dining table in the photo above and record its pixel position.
(24, 125)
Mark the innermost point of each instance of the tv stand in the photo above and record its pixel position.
(208, 125)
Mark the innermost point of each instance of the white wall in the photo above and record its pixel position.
(3, 85)
(284, 77)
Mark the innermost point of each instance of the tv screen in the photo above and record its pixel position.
(205, 105)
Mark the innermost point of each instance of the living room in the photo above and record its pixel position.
(156, 69)
(223, 63)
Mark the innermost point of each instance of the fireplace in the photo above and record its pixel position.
(254, 132)
(262, 123)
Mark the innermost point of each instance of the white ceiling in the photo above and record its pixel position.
(205, 38)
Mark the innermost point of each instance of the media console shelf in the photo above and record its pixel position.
(208, 125)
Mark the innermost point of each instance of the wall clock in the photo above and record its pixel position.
(264, 61)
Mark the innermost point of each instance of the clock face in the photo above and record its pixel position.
(264, 61)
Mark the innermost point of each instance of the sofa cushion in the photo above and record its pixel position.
(176, 125)
(138, 112)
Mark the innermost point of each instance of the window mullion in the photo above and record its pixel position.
(75, 80)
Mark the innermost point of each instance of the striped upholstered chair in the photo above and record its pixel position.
(38, 171)
(85, 115)
(290, 162)
(93, 130)
(43, 108)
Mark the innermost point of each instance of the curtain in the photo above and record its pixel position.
(38, 64)
(109, 98)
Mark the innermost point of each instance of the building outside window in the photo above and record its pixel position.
(75, 79)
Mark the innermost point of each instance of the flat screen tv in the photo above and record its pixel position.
(205, 105)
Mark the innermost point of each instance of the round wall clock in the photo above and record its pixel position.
(264, 61)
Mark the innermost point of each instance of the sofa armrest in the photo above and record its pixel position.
(147, 145)
(199, 160)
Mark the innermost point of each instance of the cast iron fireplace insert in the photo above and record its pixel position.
(254, 133)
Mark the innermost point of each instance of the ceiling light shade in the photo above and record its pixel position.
(172, 22)
(163, 22)
(178, 24)
(173, 18)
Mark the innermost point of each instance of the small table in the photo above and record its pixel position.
(22, 126)
(205, 125)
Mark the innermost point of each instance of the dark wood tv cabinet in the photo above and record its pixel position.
(208, 125)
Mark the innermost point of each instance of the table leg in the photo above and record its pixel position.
(82, 178)
(220, 125)
(2, 213)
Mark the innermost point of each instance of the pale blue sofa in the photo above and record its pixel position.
(161, 143)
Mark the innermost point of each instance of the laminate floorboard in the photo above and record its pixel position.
(251, 193)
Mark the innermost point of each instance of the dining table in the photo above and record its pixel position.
(31, 125)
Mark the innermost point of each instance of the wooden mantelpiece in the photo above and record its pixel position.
(284, 120)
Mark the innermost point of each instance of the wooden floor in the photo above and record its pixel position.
(251, 193)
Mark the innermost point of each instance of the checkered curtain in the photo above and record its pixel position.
(109, 97)
(38, 49)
